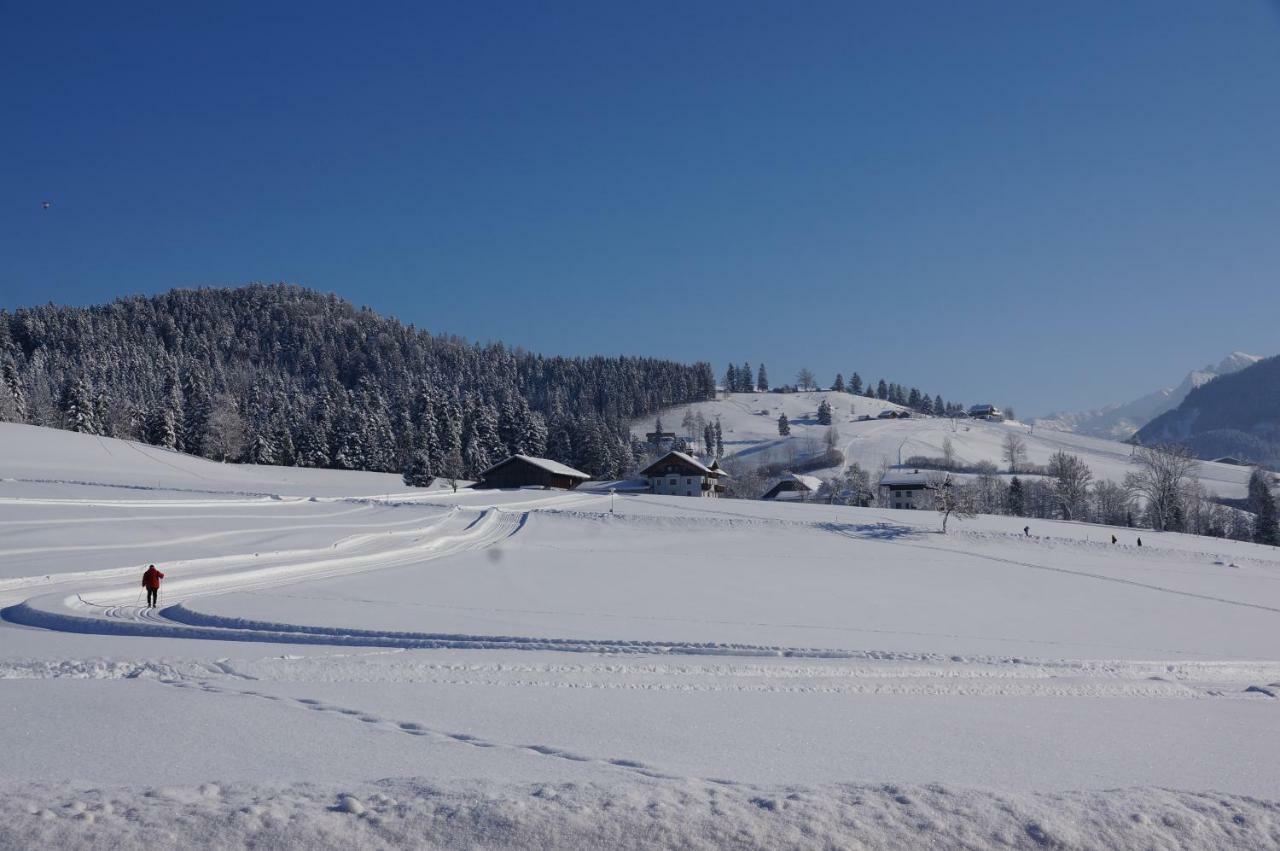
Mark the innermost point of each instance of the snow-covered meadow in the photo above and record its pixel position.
(339, 661)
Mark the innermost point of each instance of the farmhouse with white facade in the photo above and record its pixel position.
(678, 474)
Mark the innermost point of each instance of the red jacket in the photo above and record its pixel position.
(151, 579)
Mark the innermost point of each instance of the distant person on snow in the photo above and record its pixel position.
(1026, 530)
(1113, 539)
(1139, 542)
(151, 581)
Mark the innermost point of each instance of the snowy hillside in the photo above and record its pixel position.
(1120, 421)
(749, 423)
(339, 663)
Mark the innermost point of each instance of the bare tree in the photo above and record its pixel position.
(948, 454)
(1071, 477)
(832, 437)
(1112, 503)
(805, 379)
(227, 434)
(950, 496)
(1163, 470)
(1015, 451)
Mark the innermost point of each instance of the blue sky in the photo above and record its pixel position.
(1044, 205)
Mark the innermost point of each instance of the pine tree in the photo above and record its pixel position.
(160, 427)
(171, 400)
(76, 407)
(730, 379)
(719, 439)
(1266, 526)
(560, 444)
(196, 408)
(262, 451)
(762, 380)
(838, 384)
(417, 474)
(312, 446)
(11, 386)
(882, 390)
(744, 378)
(709, 439)
(824, 412)
(913, 399)
(938, 408)
(1015, 499)
(855, 384)
(534, 437)
(784, 425)
(481, 445)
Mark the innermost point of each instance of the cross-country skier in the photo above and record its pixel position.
(151, 581)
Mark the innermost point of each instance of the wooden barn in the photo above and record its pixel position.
(520, 471)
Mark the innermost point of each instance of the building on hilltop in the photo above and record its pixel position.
(520, 471)
(794, 487)
(678, 474)
(986, 412)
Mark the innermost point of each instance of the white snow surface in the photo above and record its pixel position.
(341, 662)
(750, 425)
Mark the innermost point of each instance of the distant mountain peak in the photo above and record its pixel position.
(1121, 421)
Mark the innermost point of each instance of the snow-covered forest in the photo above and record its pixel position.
(283, 375)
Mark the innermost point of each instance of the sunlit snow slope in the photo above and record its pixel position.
(749, 422)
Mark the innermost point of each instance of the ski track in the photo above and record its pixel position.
(101, 606)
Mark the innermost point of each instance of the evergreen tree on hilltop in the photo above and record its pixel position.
(744, 378)
(882, 390)
(76, 407)
(481, 445)
(938, 407)
(838, 384)
(855, 384)
(14, 396)
(913, 399)
(784, 425)
(1266, 526)
(731, 379)
(197, 406)
(762, 380)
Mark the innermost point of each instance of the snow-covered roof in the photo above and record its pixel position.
(812, 483)
(553, 467)
(912, 478)
(688, 459)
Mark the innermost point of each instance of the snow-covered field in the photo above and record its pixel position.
(338, 661)
(750, 425)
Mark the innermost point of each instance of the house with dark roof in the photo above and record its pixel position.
(678, 474)
(794, 486)
(521, 471)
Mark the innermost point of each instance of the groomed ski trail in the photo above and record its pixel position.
(112, 610)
